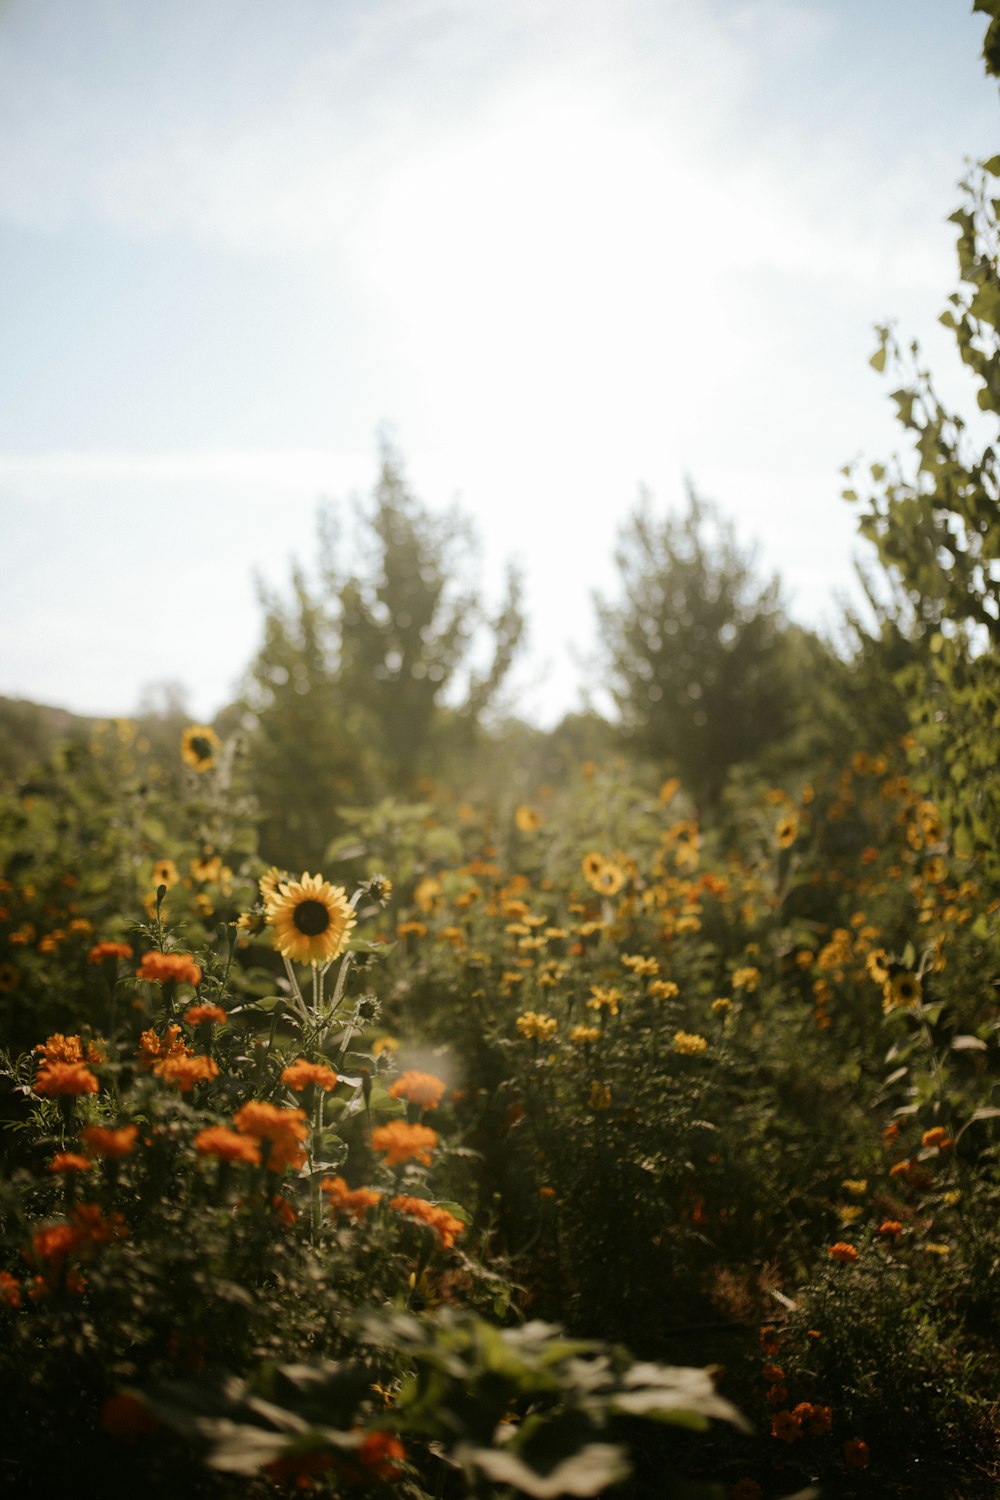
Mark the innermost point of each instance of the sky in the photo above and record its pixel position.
(557, 250)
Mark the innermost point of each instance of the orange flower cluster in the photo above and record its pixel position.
(300, 1074)
(10, 1292)
(281, 1130)
(74, 1238)
(444, 1224)
(112, 1145)
(402, 1142)
(184, 1070)
(843, 1252)
(205, 1015)
(170, 1044)
(68, 1078)
(418, 1088)
(353, 1203)
(68, 1049)
(227, 1145)
(70, 1161)
(102, 952)
(162, 968)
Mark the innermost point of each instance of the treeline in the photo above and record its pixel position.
(380, 673)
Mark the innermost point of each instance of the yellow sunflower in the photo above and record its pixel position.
(199, 744)
(786, 832)
(903, 992)
(311, 919)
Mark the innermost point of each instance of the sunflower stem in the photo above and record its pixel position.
(296, 992)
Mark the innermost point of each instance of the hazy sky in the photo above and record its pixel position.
(558, 248)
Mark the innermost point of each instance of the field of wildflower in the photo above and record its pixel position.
(560, 1146)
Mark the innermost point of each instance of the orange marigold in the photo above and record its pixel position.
(300, 1074)
(163, 967)
(842, 1251)
(354, 1203)
(227, 1145)
(101, 952)
(786, 1426)
(204, 1015)
(70, 1161)
(444, 1224)
(418, 1088)
(855, 1452)
(113, 1145)
(890, 1228)
(59, 1048)
(185, 1071)
(10, 1291)
(402, 1142)
(170, 1044)
(71, 1079)
(282, 1130)
(381, 1454)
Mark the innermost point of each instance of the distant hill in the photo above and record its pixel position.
(29, 732)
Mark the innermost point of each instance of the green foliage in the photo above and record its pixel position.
(702, 665)
(936, 530)
(369, 678)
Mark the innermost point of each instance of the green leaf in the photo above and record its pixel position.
(877, 360)
(589, 1472)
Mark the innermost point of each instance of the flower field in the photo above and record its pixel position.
(563, 1145)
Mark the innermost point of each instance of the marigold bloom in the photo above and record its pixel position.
(419, 1088)
(227, 1145)
(843, 1252)
(59, 1048)
(538, 1027)
(663, 989)
(171, 1044)
(300, 1074)
(890, 1228)
(600, 1096)
(68, 1079)
(70, 1161)
(855, 1452)
(10, 1291)
(280, 1132)
(689, 1044)
(786, 1426)
(126, 1416)
(604, 997)
(184, 1070)
(528, 819)
(102, 952)
(353, 1203)
(204, 1015)
(112, 1145)
(444, 1224)
(820, 1422)
(937, 1136)
(581, 1036)
(312, 919)
(402, 1142)
(199, 745)
(747, 978)
(381, 1454)
(161, 968)
(772, 1373)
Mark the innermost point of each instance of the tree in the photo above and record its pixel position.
(371, 676)
(935, 525)
(698, 653)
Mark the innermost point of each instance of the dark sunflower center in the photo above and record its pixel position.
(201, 747)
(311, 918)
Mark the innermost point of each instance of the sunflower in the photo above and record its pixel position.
(311, 919)
(787, 832)
(199, 744)
(904, 991)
